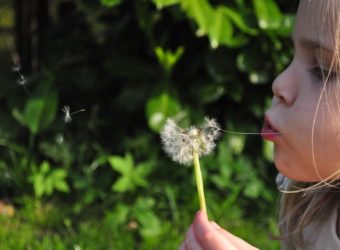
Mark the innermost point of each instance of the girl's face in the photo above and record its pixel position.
(305, 109)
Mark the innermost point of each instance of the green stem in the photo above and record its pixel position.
(199, 182)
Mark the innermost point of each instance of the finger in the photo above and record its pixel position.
(240, 243)
(208, 236)
(190, 241)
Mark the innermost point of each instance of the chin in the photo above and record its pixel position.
(292, 172)
(297, 175)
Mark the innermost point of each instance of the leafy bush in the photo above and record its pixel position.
(132, 64)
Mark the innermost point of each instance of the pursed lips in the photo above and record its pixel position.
(269, 132)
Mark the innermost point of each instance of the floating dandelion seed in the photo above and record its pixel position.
(22, 82)
(16, 60)
(185, 146)
(16, 68)
(68, 114)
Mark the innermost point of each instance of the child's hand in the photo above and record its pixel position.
(206, 235)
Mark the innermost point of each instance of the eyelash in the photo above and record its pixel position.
(321, 74)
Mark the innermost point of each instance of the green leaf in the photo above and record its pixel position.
(46, 180)
(143, 169)
(150, 223)
(164, 3)
(286, 26)
(268, 14)
(62, 186)
(167, 58)
(38, 185)
(221, 30)
(44, 167)
(253, 189)
(110, 3)
(40, 109)
(131, 176)
(238, 20)
(48, 186)
(201, 11)
(59, 173)
(123, 184)
(123, 165)
(267, 150)
(159, 108)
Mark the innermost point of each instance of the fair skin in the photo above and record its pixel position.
(306, 114)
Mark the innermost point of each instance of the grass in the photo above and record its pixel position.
(50, 227)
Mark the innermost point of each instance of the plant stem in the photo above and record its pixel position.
(199, 182)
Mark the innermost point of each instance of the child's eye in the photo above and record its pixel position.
(323, 74)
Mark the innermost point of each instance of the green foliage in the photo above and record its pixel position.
(45, 180)
(132, 176)
(164, 3)
(131, 65)
(40, 109)
(268, 14)
(168, 59)
(159, 108)
(110, 3)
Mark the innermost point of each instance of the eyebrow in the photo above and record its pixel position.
(310, 44)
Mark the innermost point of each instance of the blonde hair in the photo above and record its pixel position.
(306, 203)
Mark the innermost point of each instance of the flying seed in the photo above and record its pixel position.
(68, 114)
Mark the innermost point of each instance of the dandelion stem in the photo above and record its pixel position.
(199, 182)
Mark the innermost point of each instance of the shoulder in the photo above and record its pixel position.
(324, 235)
(338, 223)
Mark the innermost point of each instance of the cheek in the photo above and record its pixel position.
(293, 162)
(326, 144)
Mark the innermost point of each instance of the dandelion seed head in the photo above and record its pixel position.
(180, 144)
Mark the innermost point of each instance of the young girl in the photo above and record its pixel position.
(304, 125)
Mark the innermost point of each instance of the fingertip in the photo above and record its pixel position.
(201, 215)
(201, 225)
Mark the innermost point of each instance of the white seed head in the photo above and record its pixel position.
(67, 114)
(180, 144)
(22, 81)
(16, 68)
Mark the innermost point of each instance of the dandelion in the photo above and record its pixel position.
(180, 144)
(68, 114)
(185, 146)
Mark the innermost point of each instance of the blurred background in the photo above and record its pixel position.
(102, 181)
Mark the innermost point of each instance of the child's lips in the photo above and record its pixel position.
(268, 132)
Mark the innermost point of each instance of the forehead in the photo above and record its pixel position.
(317, 20)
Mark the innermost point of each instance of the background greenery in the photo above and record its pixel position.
(103, 181)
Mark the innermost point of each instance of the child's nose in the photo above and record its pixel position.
(284, 87)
